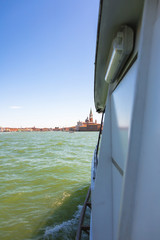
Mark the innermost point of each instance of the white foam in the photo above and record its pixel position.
(65, 229)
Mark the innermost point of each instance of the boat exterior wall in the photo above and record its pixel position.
(102, 192)
(125, 193)
(140, 210)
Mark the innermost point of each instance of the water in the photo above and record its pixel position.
(44, 178)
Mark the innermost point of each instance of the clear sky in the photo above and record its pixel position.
(47, 53)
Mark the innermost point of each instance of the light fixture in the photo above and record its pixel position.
(121, 48)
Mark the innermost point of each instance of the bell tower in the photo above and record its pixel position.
(91, 116)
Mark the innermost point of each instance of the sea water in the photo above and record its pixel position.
(44, 178)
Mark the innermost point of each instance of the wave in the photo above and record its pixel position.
(37, 175)
(66, 230)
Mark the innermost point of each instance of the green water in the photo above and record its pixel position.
(44, 177)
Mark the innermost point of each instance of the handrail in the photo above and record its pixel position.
(86, 203)
(80, 226)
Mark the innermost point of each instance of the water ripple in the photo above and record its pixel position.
(39, 174)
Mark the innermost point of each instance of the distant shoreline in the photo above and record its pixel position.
(34, 129)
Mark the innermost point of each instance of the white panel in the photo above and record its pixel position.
(147, 212)
(117, 189)
(140, 214)
(121, 110)
(102, 194)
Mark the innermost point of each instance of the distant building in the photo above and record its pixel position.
(88, 125)
(91, 116)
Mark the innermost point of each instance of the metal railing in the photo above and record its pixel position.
(82, 227)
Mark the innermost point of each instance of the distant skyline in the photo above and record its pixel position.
(47, 62)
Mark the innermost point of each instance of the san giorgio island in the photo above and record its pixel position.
(87, 126)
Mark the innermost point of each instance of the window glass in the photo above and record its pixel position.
(121, 111)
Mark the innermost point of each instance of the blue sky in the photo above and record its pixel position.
(47, 61)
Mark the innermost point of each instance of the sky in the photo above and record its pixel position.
(47, 54)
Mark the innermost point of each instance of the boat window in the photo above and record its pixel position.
(121, 112)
